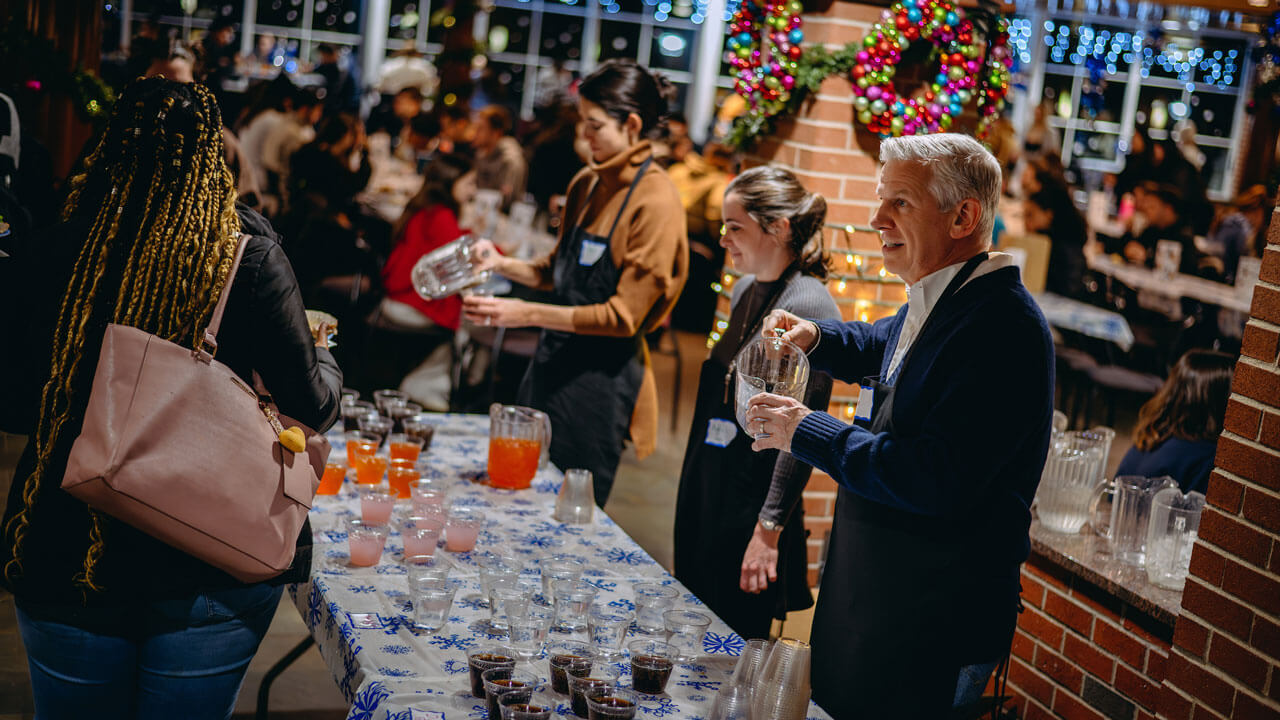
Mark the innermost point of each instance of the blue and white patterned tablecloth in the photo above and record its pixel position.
(1085, 319)
(362, 618)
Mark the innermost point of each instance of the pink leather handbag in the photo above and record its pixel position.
(175, 444)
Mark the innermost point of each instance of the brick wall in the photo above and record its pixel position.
(1081, 653)
(1226, 649)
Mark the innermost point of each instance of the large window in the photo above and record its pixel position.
(1104, 68)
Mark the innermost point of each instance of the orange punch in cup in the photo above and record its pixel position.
(399, 475)
(331, 481)
(370, 468)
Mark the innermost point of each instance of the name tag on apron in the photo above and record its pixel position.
(721, 432)
(865, 403)
(591, 252)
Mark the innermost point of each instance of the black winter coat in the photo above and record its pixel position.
(264, 329)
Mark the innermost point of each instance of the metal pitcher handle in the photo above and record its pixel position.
(1100, 528)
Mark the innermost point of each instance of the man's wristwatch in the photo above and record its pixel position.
(770, 525)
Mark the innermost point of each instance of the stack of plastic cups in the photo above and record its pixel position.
(733, 701)
(783, 692)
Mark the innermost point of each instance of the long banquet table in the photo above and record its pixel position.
(362, 619)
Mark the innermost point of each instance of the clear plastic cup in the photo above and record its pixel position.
(685, 630)
(352, 412)
(365, 542)
(400, 473)
(607, 627)
(514, 708)
(376, 505)
(652, 600)
(370, 469)
(528, 633)
(377, 425)
(427, 496)
(567, 658)
(611, 703)
(487, 657)
(573, 600)
(402, 446)
(508, 601)
(601, 676)
(424, 571)
(386, 399)
(559, 567)
(651, 664)
(462, 527)
(420, 534)
(360, 444)
(432, 605)
(502, 682)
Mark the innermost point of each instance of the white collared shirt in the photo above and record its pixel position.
(922, 296)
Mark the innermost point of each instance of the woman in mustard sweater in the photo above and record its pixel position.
(621, 262)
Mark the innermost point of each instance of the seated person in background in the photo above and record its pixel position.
(1241, 229)
(499, 160)
(395, 117)
(1177, 430)
(1160, 204)
(429, 221)
(1050, 212)
(456, 128)
(284, 139)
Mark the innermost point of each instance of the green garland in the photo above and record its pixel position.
(815, 65)
(32, 63)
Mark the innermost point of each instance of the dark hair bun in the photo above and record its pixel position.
(623, 87)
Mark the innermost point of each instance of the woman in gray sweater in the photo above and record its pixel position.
(739, 531)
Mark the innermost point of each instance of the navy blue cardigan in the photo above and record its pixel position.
(971, 423)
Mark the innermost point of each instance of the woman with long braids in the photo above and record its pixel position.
(116, 623)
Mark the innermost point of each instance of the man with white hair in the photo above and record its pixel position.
(919, 596)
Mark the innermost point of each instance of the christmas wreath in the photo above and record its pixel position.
(774, 75)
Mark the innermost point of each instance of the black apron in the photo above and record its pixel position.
(587, 384)
(722, 489)
(881, 630)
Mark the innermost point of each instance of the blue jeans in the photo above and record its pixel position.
(972, 681)
(172, 658)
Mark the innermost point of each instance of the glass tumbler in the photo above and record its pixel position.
(558, 567)
(607, 627)
(420, 534)
(528, 633)
(651, 664)
(652, 600)
(423, 571)
(573, 599)
(431, 606)
(685, 630)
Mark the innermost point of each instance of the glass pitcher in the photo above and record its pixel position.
(1072, 472)
(447, 270)
(1126, 527)
(1171, 533)
(517, 438)
(770, 365)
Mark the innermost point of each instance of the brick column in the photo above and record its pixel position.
(1226, 644)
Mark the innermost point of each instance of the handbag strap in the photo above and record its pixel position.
(209, 344)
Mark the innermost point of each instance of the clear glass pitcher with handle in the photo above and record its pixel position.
(1171, 533)
(1072, 474)
(447, 270)
(518, 438)
(1125, 525)
(770, 365)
